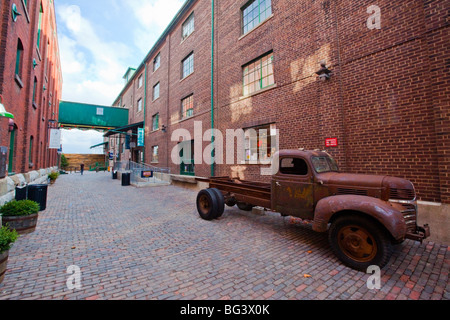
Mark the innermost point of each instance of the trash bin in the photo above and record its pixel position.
(38, 193)
(126, 179)
(114, 174)
(21, 193)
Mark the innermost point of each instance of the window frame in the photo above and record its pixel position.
(157, 85)
(139, 105)
(157, 62)
(155, 117)
(248, 142)
(155, 159)
(185, 112)
(190, 68)
(189, 25)
(258, 70)
(260, 21)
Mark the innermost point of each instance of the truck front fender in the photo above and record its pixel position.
(382, 211)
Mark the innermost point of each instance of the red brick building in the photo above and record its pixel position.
(30, 82)
(252, 64)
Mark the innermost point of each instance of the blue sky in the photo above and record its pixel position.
(98, 41)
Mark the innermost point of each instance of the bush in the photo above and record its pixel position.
(19, 208)
(7, 238)
(53, 176)
(64, 162)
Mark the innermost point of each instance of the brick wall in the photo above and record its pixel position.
(386, 102)
(31, 119)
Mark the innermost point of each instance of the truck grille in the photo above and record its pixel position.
(402, 194)
(410, 215)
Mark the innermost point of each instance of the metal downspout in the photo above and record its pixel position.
(145, 106)
(212, 90)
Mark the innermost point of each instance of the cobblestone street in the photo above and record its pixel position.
(150, 243)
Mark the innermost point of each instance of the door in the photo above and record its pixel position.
(293, 188)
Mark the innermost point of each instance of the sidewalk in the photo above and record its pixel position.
(150, 243)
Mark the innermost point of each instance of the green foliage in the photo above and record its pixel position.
(53, 176)
(7, 238)
(19, 208)
(64, 162)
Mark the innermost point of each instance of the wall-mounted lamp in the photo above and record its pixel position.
(11, 125)
(324, 73)
(34, 63)
(3, 112)
(14, 12)
(164, 129)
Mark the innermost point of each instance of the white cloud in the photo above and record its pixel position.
(153, 16)
(79, 142)
(92, 67)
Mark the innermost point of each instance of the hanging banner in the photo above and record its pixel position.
(140, 140)
(55, 139)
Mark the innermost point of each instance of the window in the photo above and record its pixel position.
(156, 62)
(188, 27)
(140, 81)
(155, 154)
(100, 111)
(260, 143)
(30, 153)
(33, 102)
(155, 122)
(188, 65)
(255, 12)
(294, 166)
(258, 75)
(187, 107)
(41, 13)
(139, 105)
(19, 58)
(156, 91)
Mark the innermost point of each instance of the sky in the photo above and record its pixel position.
(98, 41)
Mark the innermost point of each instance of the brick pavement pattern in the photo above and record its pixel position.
(150, 243)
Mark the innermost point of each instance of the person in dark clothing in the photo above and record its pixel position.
(82, 168)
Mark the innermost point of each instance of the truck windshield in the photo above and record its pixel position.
(324, 164)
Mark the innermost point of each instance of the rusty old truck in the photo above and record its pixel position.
(364, 215)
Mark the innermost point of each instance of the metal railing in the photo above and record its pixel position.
(145, 173)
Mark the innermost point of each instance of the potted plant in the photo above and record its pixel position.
(7, 238)
(53, 176)
(20, 215)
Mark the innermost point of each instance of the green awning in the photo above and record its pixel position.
(124, 129)
(100, 145)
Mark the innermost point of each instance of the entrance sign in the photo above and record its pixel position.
(140, 141)
(55, 139)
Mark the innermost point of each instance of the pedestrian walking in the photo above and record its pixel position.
(82, 168)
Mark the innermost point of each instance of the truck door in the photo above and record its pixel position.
(293, 188)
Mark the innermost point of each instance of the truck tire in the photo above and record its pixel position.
(360, 242)
(220, 202)
(207, 204)
(245, 206)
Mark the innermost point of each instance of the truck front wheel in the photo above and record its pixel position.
(360, 242)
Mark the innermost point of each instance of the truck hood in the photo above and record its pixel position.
(352, 180)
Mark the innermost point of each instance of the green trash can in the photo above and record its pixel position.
(38, 193)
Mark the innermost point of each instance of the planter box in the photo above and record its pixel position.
(3, 263)
(23, 225)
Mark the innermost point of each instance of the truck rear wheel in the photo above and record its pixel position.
(207, 204)
(360, 242)
(220, 202)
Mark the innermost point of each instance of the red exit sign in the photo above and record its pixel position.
(331, 142)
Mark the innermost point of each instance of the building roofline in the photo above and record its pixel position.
(186, 6)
